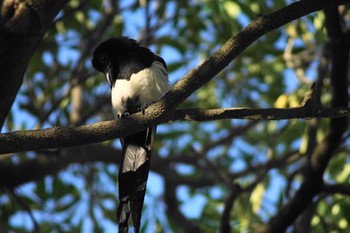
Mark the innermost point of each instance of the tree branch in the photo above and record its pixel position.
(51, 162)
(343, 189)
(258, 27)
(58, 137)
(25, 206)
(225, 226)
(164, 110)
(323, 152)
(175, 214)
(22, 26)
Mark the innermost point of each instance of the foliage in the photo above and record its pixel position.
(201, 160)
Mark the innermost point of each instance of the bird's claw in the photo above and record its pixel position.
(141, 109)
(125, 114)
(138, 109)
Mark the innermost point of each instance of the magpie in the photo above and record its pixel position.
(137, 78)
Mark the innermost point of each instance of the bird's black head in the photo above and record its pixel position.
(119, 57)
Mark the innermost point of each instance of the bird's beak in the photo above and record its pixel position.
(109, 73)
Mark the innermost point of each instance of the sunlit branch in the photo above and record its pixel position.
(58, 137)
(331, 189)
(164, 110)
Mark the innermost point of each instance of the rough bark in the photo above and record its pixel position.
(22, 26)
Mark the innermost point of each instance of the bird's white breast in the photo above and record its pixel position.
(149, 85)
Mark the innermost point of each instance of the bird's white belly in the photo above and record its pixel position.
(148, 86)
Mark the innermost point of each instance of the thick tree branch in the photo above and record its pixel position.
(258, 27)
(22, 26)
(51, 162)
(164, 110)
(58, 137)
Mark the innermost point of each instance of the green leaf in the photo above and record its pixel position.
(232, 9)
(257, 197)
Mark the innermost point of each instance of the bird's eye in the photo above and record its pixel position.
(103, 59)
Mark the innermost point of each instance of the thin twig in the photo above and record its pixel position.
(225, 226)
(24, 205)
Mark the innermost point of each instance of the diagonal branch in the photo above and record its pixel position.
(164, 110)
(25, 206)
(258, 27)
(57, 137)
(22, 26)
(318, 160)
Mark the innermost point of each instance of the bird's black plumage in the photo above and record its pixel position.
(137, 78)
(126, 55)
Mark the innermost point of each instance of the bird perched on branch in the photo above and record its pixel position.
(137, 78)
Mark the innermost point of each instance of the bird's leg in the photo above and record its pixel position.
(142, 108)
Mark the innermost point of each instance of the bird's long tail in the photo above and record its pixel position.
(133, 175)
